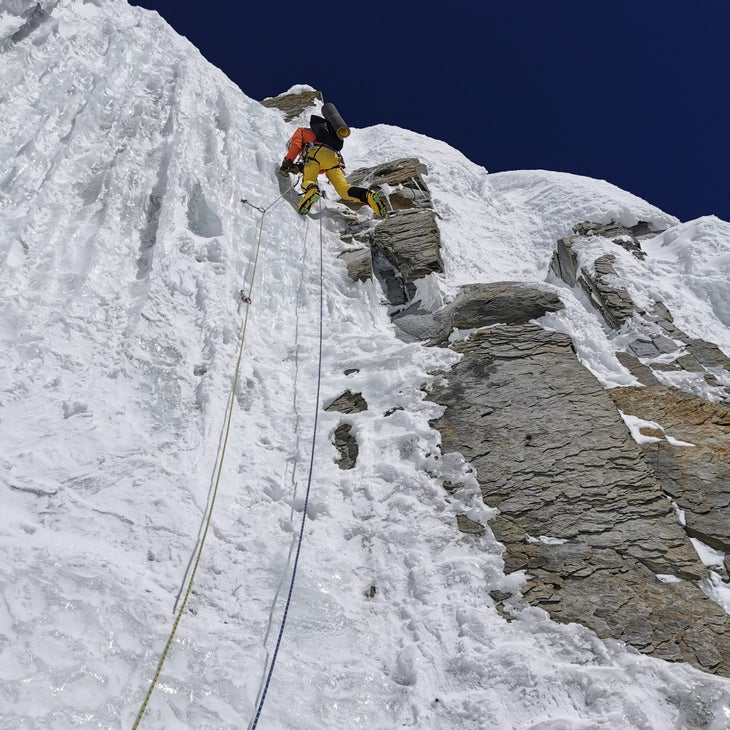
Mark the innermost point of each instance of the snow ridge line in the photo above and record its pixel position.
(262, 698)
(218, 471)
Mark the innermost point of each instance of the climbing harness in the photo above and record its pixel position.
(309, 154)
(207, 516)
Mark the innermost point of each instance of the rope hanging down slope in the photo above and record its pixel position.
(218, 471)
(262, 697)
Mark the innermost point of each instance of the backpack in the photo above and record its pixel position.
(324, 132)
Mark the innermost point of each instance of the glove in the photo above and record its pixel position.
(288, 167)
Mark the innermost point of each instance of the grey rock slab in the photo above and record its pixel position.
(581, 509)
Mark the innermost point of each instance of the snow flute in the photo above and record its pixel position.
(330, 113)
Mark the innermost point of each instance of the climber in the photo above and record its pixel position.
(318, 149)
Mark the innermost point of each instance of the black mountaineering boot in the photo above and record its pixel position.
(371, 198)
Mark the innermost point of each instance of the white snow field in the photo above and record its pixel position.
(124, 156)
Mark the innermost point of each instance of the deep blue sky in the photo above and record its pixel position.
(636, 92)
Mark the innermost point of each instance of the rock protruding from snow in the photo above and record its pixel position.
(565, 260)
(484, 305)
(690, 454)
(411, 243)
(581, 511)
(404, 247)
(294, 104)
(348, 402)
(654, 347)
(401, 180)
(359, 263)
(346, 445)
(344, 441)
(475, 306)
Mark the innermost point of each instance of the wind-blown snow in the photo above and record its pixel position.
(636, 424)
(124, 244)
(692, 261)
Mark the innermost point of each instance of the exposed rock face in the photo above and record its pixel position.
(359, 264)
(348, 402)
(565, 260)
(404, 180)
(654, 332)
(482, 305)
(586, 512)
(478, 305)
(293, 104)
(346, 444)
(410, 245)
(344, 441)
(614, 303)
(580, 508)
(696, 476)
(469, 526)
(406, 246)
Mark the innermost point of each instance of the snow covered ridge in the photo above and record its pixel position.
(123, 158)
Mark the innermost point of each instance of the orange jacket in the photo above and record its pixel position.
(297, 142)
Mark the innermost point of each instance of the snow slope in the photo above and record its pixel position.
(124, 245)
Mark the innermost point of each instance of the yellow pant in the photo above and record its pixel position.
(327, 160)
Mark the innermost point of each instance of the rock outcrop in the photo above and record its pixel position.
(293, 104)
(690, 454)
(406, 246)
(343, 439)
(581, 510)
(586, 512)
(599, 524)
(656, 344)
(348, 402)
(475, 306)
(346, 445)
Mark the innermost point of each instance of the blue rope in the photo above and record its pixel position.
(306, 496)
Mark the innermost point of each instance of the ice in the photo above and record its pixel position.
(123, 248)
